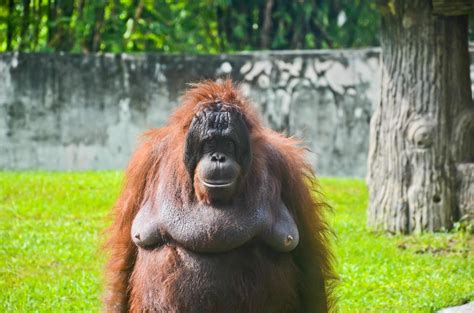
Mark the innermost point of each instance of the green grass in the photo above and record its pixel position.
(50, 261)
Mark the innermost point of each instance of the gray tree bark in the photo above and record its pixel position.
(423, 128)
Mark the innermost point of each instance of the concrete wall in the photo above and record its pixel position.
(76, 112)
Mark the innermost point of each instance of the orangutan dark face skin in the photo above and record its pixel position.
(218, 153)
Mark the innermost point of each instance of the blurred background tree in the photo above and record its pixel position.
(205, 26)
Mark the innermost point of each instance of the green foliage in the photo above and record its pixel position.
(50, 260)
(204, 26)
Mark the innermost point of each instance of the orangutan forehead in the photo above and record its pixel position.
(219, 120)
(218, 106)
(217, 115)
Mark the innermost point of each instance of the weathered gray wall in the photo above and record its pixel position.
(75, 112)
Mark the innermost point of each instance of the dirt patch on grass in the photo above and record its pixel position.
(451, 246)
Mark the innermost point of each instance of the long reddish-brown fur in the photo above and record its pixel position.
(161, 155)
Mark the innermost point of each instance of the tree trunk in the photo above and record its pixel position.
(465, 187)
(25, 23)
(38, 15)
(423, 126)
(220, 28)
(10, 25)
(267, 25)
(52, 12)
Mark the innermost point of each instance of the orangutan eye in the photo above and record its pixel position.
(209, 146)
(230, 145)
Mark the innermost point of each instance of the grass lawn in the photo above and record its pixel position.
(50, 261)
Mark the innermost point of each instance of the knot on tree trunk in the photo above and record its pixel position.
(421, 132)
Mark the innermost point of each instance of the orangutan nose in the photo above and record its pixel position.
(218, 157)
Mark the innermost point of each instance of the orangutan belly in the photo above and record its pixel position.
(247, 279)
